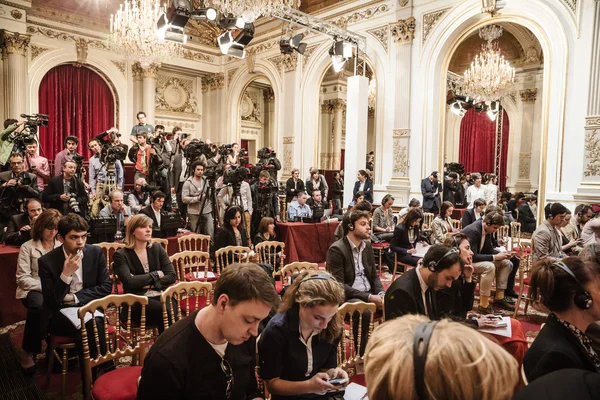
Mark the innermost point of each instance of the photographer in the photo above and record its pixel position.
(101, 165)
(162, 173)
(317, 205)
(178, 176)
(17, 186)
(12, 128)
(36, 164)
(267, 160)
(66, 193)
(69, 153)
(144, 157)
(138, 197)
(19, 226)
(199, 206)
(265, 200)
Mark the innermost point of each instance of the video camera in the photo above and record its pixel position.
(35, 120)
(150, 189)
(196, 149)
(235, 176)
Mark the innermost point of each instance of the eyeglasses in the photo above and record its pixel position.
(226, 368)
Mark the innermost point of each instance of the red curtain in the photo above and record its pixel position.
(477, 143)
(79, 103)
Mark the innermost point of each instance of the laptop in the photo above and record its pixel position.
(326, 214)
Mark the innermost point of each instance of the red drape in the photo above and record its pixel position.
(79, 103)
(477, 142)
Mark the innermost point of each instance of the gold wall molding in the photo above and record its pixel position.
(362, 15)
(14, 43)
(403, 31)
(176, 94)
(592, 147)
(37, 51)
(64, 36)
(230, 75)
(430, 20)
(213, 82)
(400, 159)
(382, 34)
(398, 133)
(197, 56)
(16, 14)
(121, 66)
(528, 95)
(524, 166)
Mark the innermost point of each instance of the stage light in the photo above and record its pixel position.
(340, 52)
(171, 27)
(233, 43)
(231, 23)
(458, 109)
(207, 13)
(289, 45)
(493, 109)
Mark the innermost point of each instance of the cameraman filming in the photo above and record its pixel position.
(265, 200)
(199, 205)
(144, 157)
(12, 128)
(66, 193)
(139, 197)
(267, 160)
(100, 167)
(17, 186)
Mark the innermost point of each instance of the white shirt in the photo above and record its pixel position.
(424, 288)
(361, 187)
(360, 279)
(74, 281)
(309, 352)
(157, 215)
(474, 193)
(219, 348)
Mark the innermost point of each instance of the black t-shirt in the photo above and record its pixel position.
(282, 354)
(183, 365)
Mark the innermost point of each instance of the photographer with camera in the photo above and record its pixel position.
(36, 164)
(139, 196)
(264, 199)
(66, 193)
(103, 164)
(12, 128)
(145, 158)
(199, 205)
(267, 160)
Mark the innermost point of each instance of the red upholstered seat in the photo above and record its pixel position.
(192, 304)
(278, 286)
(119, 384)
(380, 245)
(189, 277)
(359, 379)
(527, 281)
(62, 339)
(111, 330)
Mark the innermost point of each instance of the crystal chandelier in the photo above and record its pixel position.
(250, 10)
(133, 33)
(490, 77)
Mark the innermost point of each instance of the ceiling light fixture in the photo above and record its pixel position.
(288, 45)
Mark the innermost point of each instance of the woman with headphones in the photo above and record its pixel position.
(406, 236)
(298, 348)
(570, 289)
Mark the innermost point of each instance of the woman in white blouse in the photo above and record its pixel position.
(491, 190)
(476, 191)
(29, 286)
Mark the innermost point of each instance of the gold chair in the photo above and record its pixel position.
(189, 265)
(189, 297)
(163, 242)
(194, 242)
(349, 347)
(427, 220)
(268, 252)
(120, 381)
(231, 254)
(396, 263)
(503, 232)
(456, 224)
(296, 267)
(62, 344)
(109, 250)
(525, 265)
(515, 233)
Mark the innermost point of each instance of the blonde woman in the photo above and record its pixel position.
(144, 269)
(460, 364)
(29, 286)
(307, 319)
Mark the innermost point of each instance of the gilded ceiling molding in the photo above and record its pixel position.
(16, 14)
(36, 51)
(230, 75)
(528, 95)
(358, 16)
(213, 82)
(81, 47)
(51, 34)
(403, 31)
(430, 20)
(14, 43)
(121, 66)
(197, 56)
(382, 35)
(137, 70)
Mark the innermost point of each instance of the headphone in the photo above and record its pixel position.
(432, 265)
(420, 347)
(350, 224)
(582, 298)
(584, 210)
(320, 275)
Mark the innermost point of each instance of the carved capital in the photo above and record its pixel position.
(150, 72)
(213, 82)
(403, 31)
(81, 46)
(269, 95)
(14, 43)
(137, 71)
(326, 108)
(338, 104)
(528, 95)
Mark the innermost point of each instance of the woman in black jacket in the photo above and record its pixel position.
(232, 233)
(406, 236)
(338, 192)
(144, 269)
(570, 289)
(293, 186)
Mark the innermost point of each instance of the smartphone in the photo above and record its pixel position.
(338, 382)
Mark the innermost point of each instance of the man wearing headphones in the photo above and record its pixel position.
(415, 292)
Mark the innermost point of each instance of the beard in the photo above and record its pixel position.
(432, 281)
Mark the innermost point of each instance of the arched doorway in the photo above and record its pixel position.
(78, 102)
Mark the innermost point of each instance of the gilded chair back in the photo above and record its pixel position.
(187, 296)
(427, 220)
(191, 265)
(163, 242)
(349, 350)
(231, 254)
(109, 250)
(194, 242)
(296, 267)
(268, 252)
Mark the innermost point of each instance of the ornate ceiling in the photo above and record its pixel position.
(311, 6)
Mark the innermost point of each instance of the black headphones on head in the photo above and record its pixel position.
(420, 347)
(432, 265)
(582, 298)
(320, 275)
(350, 224)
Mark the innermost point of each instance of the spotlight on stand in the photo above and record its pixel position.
(458, 109)
(459, 105)
(289, 45)
(340, 52)
(206, 13)
(171, 25)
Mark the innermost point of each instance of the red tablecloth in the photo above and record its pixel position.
(458, 213)
(11, 309)
(307, 242)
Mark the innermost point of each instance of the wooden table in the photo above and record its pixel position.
(307, 241)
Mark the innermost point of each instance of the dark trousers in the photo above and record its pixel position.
(408, 259)
(182, 206)
(32, 335)
(154, 315)
(510, 284)
(366, 318)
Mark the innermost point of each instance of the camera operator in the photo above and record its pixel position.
(144, 157)
(267, 160)
(199, 205)
(66, 193)
(178, 177)
(36, 164)
(162, 173)
(264, 199)
(317, 204)
(138, 197)
(226, 199)
(117, 209)
(12, 128)
(69, 153)
(113, 137)
(18, 230)
(176, 141)
(99, 168)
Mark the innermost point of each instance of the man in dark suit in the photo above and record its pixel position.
(153, 211)
(16, 185)
(60, 189)
(526, 217)
(489, 262)
(451, 187)
(430, 188)
(350, 260)
(473, 214)
(415, 291)
(19, 226)
(72, 275)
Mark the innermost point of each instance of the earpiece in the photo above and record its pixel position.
(350, 224)
(420, 348)
(582, 298)
(432, 265)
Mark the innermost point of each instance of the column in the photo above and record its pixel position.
(339, 106)
(371, 139)
(403, 33)
(14, 54)
(528, 97)
(326, 145)
(356, 131)
(149, 90)
(138, 89)
(589, 188)
(269, 118)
